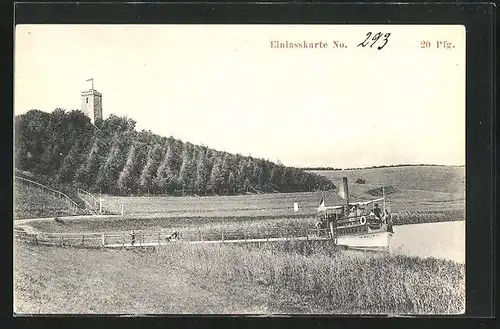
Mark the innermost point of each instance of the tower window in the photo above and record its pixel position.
(87, 100)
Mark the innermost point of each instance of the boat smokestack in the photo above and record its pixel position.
(346, 191)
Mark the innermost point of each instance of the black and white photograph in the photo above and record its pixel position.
(239, 169)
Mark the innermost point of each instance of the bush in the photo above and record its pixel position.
(360, 181)
(379, 191)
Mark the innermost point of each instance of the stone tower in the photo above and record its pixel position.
(92, 104)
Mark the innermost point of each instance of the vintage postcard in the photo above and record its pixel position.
(239, 169)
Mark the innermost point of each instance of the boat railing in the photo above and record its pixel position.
(358, 220)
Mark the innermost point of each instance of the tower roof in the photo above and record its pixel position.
(91, 92)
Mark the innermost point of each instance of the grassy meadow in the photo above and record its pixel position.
(441, 199)
(33, 202)
(225, 279)
(449, 179)
(293, 277)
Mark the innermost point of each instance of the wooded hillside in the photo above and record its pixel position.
(112, 157)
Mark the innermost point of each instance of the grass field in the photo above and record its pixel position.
(271, 210)
(33, 202)
(272, 205)
(228, 279)
(450, 179)
(416, 188)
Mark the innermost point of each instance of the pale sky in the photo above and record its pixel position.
(224, 87)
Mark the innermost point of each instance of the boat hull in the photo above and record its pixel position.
(371, 240)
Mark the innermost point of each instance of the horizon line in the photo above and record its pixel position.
(324, 168)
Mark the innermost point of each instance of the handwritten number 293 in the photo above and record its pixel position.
(374, 40)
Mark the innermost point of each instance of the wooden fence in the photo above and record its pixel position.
(97, 205)
(84, 240)
(155, 238)
(90, 201)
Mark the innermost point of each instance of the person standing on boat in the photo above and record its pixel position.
(388, 220)
(352, 211)
(133, 237)
(377, 211)
(359, 211)
(386, 216)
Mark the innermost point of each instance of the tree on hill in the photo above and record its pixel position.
(84, 172)
(276, 176)
(115, 158)
(146, 179)
(140, 153)
(187, 173)
(165, 175)
(215, 181)
(105, 175)
(202, 172)
(69, 165)
(125, 180)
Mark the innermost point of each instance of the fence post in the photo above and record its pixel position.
(123, 240)
(83, 239)
(222, 237)
(122, 209)
(103, 240)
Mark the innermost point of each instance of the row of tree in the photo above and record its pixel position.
(112, 157)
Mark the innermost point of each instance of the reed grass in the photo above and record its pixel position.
(278, 279)
(334, 281)
(427, 216)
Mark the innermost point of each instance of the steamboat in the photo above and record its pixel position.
(363, 225)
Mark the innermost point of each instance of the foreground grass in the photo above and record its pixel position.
(54, 280)
(181, 278)
(340, 281)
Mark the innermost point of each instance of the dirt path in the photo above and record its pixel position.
(30, 220)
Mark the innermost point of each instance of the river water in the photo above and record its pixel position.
(444, 240)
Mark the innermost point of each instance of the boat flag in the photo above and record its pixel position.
(341, 191)
(321, 204)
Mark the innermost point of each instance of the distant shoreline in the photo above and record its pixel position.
(377, 167)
